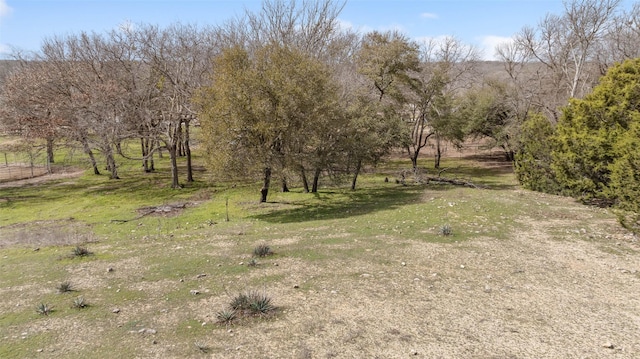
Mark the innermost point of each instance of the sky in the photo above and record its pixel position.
(481, 23)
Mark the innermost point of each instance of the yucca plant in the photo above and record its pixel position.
(44, 309)
(65, 287)
(240, 302)
(262, 250)
(80, 251)
(260, 304)
(226, 316)
(80, 303)
(252, 303)
(446, 230)
(202, 347)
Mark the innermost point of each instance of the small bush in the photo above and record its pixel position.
(252, 262)
(202, 347)
(252, 303)
(446, 230)
(80, 251)
(260, 304)
(80, 303)
(65, 287)
(240, 302)
(44, 309)
(262, 250)
(226, 316)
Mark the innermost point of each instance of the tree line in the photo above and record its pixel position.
(286, 93)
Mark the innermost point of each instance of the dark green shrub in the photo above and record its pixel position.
(595, 156)
(533, 159)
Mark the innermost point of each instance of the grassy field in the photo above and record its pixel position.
(354, 274)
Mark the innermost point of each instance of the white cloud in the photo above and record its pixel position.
(440, 39)
(347, 25)
(488, 45)
(5, 9)
(4, 49)
(428, 15)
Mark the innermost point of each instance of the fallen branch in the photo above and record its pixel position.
(145, 211)
(453, 181)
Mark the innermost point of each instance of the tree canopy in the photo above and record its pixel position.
(594, 155)
(262, 110)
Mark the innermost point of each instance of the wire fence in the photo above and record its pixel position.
(18, 165)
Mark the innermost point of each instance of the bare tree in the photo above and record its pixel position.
(447, 67)
(97, 95)
(561, 54)
(621, 40)
(31, 104)
(178, 57)
(306, 25)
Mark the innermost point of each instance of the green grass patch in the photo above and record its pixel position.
(159, 257)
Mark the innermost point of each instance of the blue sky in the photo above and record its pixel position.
(482, 23)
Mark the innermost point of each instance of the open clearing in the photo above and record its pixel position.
(364, 274)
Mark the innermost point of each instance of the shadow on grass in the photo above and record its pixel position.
(132, 186)
(494, 178)
(334, 205)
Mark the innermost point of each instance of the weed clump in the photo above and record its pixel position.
(252, 303)
(203, 348)
(446, 230)
(80, 303)
(262, 250)
(81, 251)
(65, 287)
(226, 316)
(44, 309)
(77, 252)
(246, 305)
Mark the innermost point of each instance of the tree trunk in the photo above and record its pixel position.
(438, 153)
(178, 140)
(414, 161)
(173, 154)
(187, 151)
(144, 145)
(510, 156)
(285, 188)
(152, 164)
(316, 178)
(356, 172)
(87, 150)
(265, 186)
(50, 158)
(305, 182)
(111, 162)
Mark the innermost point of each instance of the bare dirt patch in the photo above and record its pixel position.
(44, 176)
(531, 296)
(46, 233)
